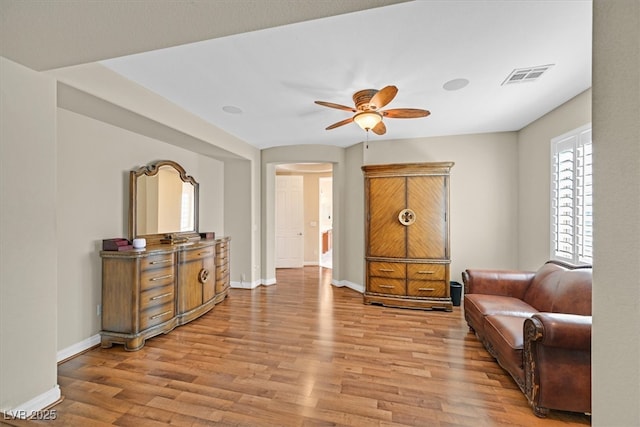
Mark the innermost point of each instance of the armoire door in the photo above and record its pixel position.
(387, 237)
(427, 236)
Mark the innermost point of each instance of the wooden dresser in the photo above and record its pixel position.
(407, 235)
(151, 291)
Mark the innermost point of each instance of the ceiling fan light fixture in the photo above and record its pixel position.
(367, 120)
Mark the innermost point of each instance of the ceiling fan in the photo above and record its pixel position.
(368, 103)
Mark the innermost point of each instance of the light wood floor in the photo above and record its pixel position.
(299, 353)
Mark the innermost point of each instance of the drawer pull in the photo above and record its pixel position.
(160, 261)
(160, 315)
(426, 272)
(426, 289)
(386, 270)
(161, 296)
(204, 253)
(387, 286)
(166, 276)
(203, 276)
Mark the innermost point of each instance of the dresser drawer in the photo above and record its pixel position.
(222, 270)
(221, 262)
(155, 278)
(427, 288)
(222, 247)
(387, 269)
(384, 285)
(222, 259)
(157, 296)
(157, 261)
(427, 271)
(197, 254)
(156, 315)
(222, 284)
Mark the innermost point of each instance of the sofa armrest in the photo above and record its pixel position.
(557, 362)
(570, 331)
(510, 283)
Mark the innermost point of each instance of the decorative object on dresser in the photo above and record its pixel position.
(176, 277)
(139, 243)
(407, 235)
(117, 244)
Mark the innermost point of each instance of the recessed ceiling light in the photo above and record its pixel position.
(231, 109)
(455, 84)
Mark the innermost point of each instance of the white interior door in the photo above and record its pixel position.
(289, 222)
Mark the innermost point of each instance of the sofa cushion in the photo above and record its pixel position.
(504, 339)
(558, 289)
(573, 295)
(477, 306)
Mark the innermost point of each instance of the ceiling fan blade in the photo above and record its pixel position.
(405, 113)
(340, 123)
(338, 106)
(379, 129)
(383, 97)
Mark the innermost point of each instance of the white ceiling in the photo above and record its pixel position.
(274, 74)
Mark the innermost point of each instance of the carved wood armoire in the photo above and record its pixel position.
(407, 235)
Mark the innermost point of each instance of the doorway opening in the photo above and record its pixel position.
(304, 215)
(325, 185)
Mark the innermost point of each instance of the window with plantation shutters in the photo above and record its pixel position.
(572, 197)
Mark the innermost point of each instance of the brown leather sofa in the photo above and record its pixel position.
(538, 327)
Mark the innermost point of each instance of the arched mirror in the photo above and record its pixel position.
(163, 203)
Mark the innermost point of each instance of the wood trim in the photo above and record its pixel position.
(408, 169)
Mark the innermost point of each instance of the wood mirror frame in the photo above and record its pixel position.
(162, 235)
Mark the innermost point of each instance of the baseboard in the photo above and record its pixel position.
(78, 348)
(35, 406)
(269, 282)
(254, 284)
(347, 284)
(245, 285)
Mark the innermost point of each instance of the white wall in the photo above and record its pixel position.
(28, 239)
(616, 265)
(94, 160)
(534, 174)
(240, 223)
(353, 243)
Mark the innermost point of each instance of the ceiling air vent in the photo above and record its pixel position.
(522, 75)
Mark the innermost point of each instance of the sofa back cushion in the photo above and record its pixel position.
(558, 288)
